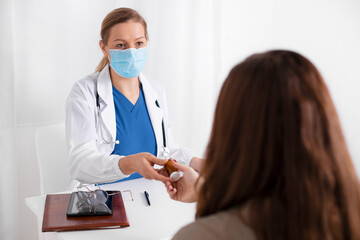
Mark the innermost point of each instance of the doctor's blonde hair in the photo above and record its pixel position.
(119, 15)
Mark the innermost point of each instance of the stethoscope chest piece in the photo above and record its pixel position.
(164, 153)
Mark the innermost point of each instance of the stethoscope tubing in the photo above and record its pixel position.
(116, 141)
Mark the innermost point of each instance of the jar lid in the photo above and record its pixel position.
(175, 176)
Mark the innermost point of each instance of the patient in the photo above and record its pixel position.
(277, 165)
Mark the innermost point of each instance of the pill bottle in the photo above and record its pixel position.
(172, 171)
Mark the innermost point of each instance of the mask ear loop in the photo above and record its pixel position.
(107, 50)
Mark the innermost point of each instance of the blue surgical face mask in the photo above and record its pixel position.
(128, 63)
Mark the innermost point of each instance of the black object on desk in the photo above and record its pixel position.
(82, 204)
(147, 197)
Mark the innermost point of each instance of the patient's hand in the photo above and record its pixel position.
(184, 189)
(196, 163)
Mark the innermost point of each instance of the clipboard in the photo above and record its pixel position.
(55, 218)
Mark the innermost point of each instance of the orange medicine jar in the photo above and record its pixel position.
(172, 171)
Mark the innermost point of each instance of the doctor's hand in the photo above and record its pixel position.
(143, 163)
(184, 189)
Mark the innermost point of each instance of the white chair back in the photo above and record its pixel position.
(52, 157)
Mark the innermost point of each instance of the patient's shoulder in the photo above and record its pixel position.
(222, 225)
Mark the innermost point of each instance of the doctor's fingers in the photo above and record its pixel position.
(162, 171)
(162, 178)
(155, 160)
(151, 173)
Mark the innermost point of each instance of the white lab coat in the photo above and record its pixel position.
(91, 160)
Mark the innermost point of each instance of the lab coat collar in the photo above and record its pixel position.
(104, 86)
(107, 108)
(106, 101)
(155, 112)
(151, 95)
(105, 91)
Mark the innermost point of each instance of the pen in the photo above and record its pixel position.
(147, 197)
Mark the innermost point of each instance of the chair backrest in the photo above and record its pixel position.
(52, 156)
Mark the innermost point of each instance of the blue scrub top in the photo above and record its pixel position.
(134, 130)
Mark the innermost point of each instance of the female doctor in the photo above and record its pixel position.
(116, 118)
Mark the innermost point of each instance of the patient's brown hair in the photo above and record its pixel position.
(277, 147)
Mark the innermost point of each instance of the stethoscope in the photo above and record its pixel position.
(164, 150)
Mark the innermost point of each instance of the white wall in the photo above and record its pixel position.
(326, 32)
(193, 45)
(8, 168)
